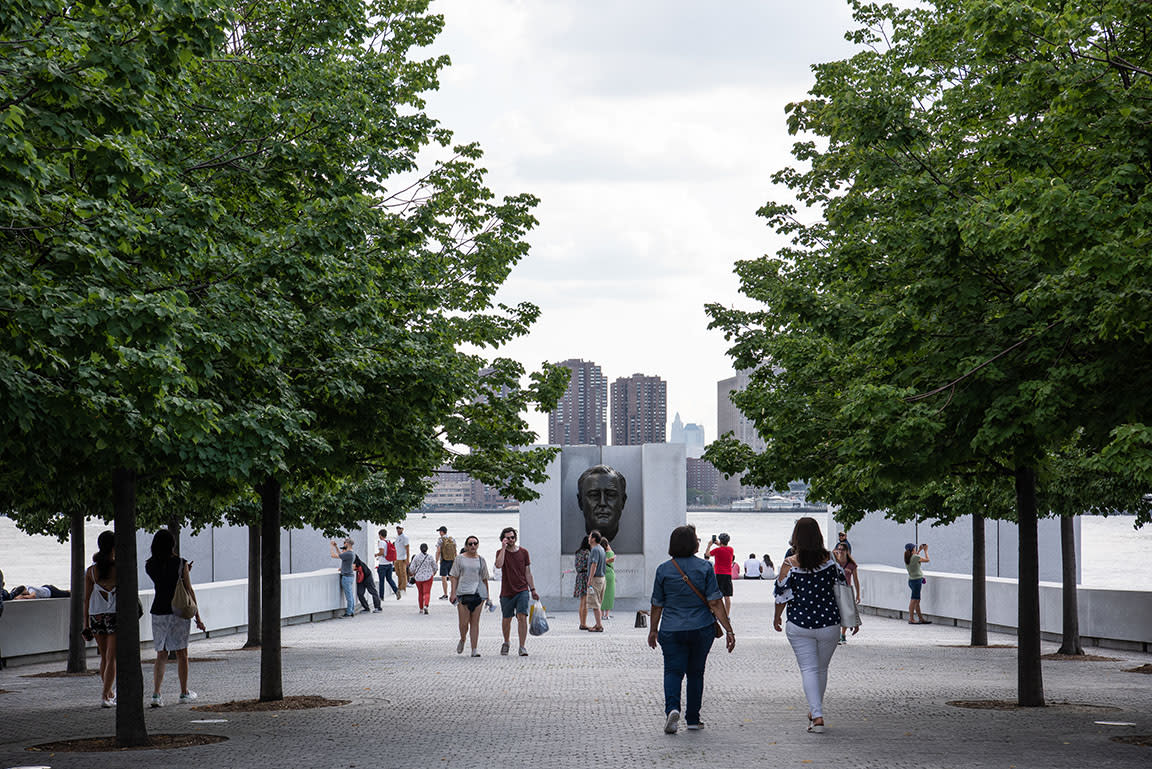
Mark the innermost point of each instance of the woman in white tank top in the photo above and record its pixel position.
(100, 611)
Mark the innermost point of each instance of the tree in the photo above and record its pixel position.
(92, 344)
(207, 278)
(964, 306)
(366, 294)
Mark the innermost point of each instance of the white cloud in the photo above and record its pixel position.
(649, 130)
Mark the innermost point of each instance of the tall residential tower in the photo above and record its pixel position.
(639, 410)
(579, 418)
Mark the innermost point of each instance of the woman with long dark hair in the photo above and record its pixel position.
(469, 577)
(169, 631)
(100, 612)
(845, 561)
(805, 587)
(581, 588)
(686, 605)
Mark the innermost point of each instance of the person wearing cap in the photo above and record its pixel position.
(842, 539)
(445, 554)
(913, 557)
(401, 543)
(725, 557)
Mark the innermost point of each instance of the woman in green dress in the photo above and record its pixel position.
(609, 582)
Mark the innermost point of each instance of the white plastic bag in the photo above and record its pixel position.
(537, 619)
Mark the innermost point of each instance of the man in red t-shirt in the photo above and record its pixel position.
(516, 585)
(725, 556)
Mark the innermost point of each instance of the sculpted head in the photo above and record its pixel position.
(600, 492)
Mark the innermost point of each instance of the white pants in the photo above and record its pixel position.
(814, 649)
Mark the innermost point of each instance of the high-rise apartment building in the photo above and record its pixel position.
(729, 419)
(703, 481)
(579, 418)
(639, 410)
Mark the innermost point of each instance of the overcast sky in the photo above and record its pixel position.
(649, 129)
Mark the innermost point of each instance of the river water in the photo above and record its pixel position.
(1105, 542)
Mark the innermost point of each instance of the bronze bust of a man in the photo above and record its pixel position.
(600, 492)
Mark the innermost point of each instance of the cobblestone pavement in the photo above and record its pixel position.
(416, 703)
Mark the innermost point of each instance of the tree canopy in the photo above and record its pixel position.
(960, 299)
(227, 262)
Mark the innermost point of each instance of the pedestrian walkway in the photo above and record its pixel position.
(581, 698)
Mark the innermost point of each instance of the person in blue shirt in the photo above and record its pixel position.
(686, 605)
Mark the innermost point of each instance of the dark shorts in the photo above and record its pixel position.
(470, 601)
(445, 567)
(915, 585)
(511, 605)
(725, 583)
(102, 624)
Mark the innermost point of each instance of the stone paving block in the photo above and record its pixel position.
(416, 703)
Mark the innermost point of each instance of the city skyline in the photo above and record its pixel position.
(651, 147)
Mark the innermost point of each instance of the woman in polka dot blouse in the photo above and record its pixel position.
(804, 585)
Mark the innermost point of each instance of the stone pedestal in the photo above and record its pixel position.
(551, 527)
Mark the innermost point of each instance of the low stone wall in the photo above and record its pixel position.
(37, 631)
(1108, 617)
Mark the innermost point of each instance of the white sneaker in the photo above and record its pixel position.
(108, 703)
(672, 722)
(157, 702)
(460, 646)
(187, 697)
(695, 727)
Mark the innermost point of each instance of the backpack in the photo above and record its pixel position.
(448, 549)
(390, 552)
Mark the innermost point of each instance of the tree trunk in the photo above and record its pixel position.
(77, 654)
(271, 678)
(254, 567)
(174, 530)
(130, 728)
(979, 584)
(1029, 677)
(1071, 641)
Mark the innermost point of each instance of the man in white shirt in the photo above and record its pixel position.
(385, 565)
(752, 567)
(401, 558)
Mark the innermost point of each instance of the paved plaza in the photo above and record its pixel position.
(583, 699)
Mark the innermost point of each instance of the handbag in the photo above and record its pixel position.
(183, 604)
(846, 602)
(715, 622)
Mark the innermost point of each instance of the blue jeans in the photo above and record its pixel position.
(685, 652)
(385, 572)
(347, 584)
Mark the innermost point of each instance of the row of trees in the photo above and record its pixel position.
(964, 328)
(230, 292)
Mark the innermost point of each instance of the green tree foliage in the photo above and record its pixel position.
(968, 301)
(223, 268)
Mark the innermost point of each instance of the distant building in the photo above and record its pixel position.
(703, 481)
(729, 419)
(449, 489)
(501, 391)
(579, 418)
(639, 410)
(453, 489)
(694, 439)
(676, 431)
